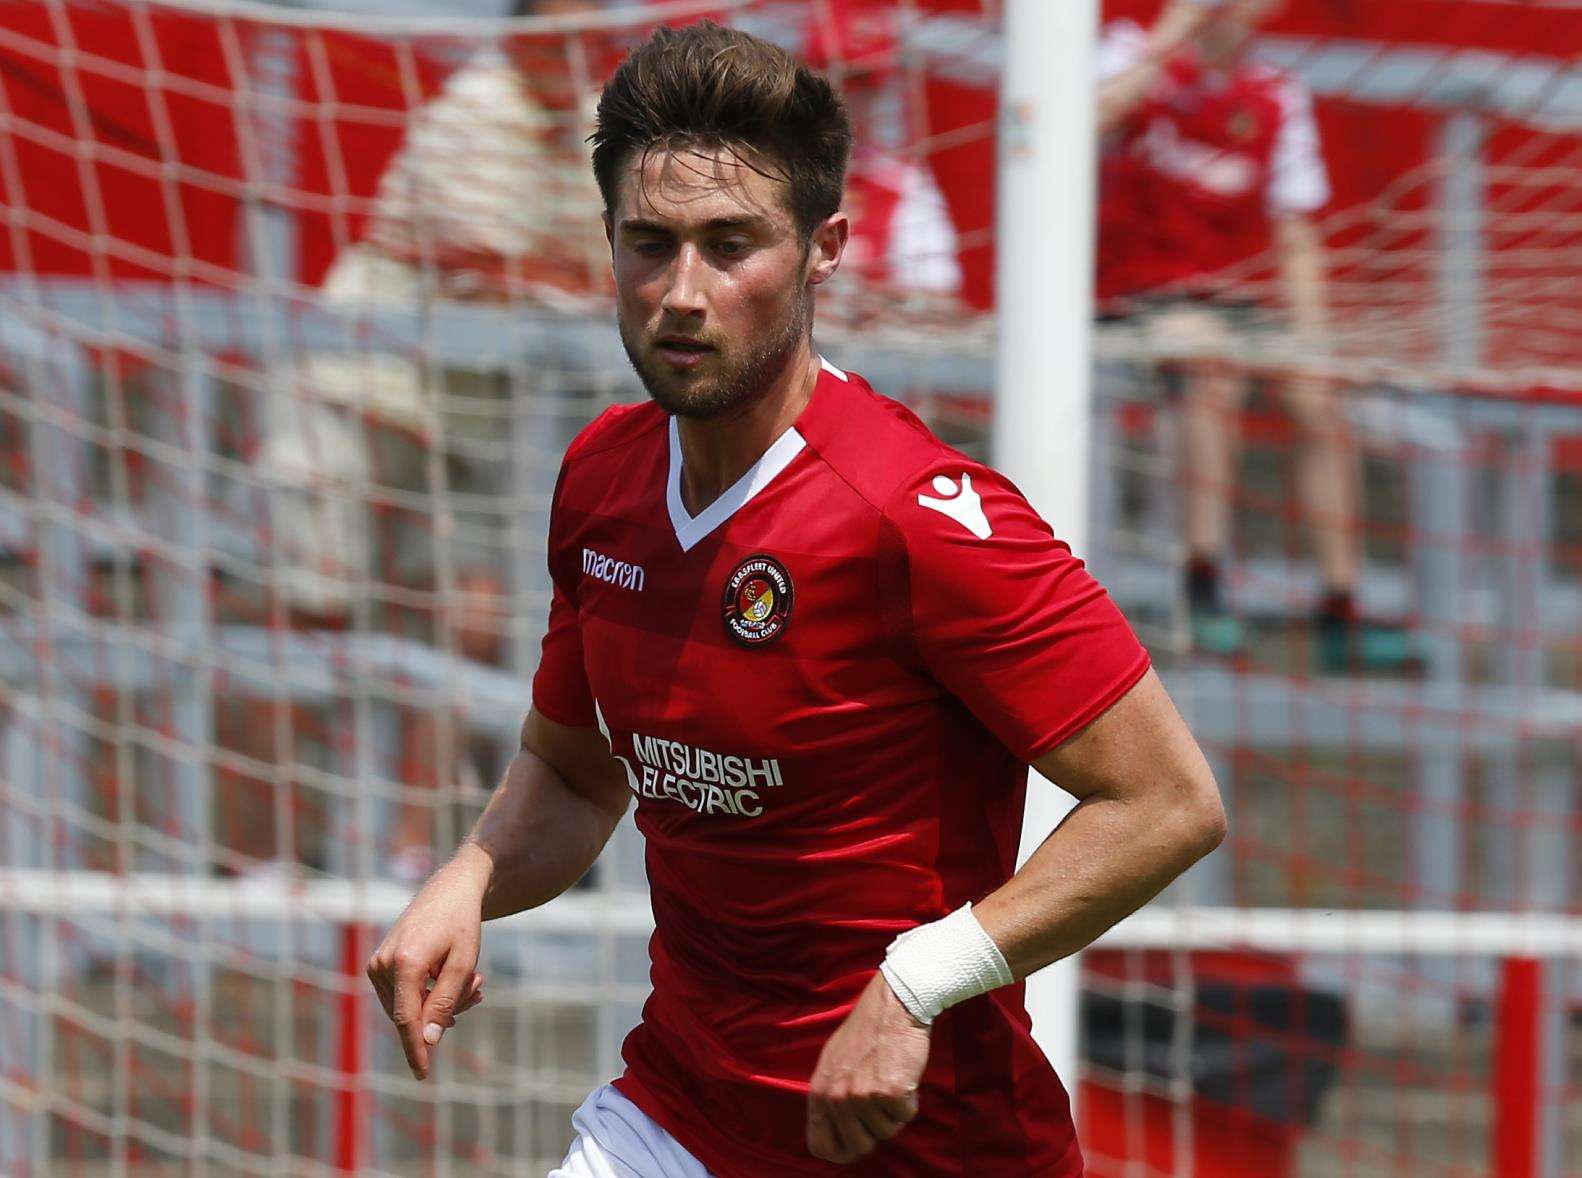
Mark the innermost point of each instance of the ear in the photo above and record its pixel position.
(826, 247)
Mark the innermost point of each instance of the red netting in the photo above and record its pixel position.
(298, 312)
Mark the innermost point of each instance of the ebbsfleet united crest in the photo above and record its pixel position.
(757, 601)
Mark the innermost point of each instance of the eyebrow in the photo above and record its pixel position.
(639, 225)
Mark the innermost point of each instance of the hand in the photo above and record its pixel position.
(1180, 21)
(864, 1088)
(436, 938)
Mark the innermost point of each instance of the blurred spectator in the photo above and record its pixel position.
(488, 196)
(903, 245)
(902, 237)
(381, 457)
(487, 199)
(1207, 153)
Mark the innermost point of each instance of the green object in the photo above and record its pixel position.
(1365, 646)
(1216, 632)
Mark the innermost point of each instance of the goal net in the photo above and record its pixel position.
(297, 313)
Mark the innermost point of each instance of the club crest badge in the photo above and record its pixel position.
(757, 601)
(1243, 126)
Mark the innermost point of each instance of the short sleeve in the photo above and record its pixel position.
(1121, 47)
(560, 684)
(1003, 615)
(1298, 180)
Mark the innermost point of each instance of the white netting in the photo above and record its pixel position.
(1444, 781)
(296, 316)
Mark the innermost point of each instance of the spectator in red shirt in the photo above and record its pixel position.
(1208, 153)
(903, 250)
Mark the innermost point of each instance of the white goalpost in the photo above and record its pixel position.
(1044, 296)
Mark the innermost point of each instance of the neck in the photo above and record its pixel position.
(1222, 58)
(718, 451)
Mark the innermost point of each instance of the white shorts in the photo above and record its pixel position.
(616, 1139)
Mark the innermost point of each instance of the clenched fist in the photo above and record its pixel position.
(864, 1088)
(436, 939)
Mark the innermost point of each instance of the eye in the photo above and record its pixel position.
(650, 247)
(733, 247)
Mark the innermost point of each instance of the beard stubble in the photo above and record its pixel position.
(741, 380)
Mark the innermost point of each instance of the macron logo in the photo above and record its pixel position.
(961, 503)
(614, 572)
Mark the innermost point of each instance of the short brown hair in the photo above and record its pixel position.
(710, 87)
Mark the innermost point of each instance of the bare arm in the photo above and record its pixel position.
(545, 825)
(1301, 252)
(1121, 95)
(1148, 810)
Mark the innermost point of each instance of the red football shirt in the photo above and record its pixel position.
(1188, 186)
(825, 689)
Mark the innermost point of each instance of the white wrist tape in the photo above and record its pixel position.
(934, 966)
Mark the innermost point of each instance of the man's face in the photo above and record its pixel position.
(713, 282)
(1233, 27)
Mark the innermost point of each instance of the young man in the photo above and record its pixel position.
(822, 648)
(1208, 152)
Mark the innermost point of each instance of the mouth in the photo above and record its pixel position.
(682, 351)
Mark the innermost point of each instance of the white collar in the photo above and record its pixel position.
(690, 530)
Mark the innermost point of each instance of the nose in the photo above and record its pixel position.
(684, 291)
